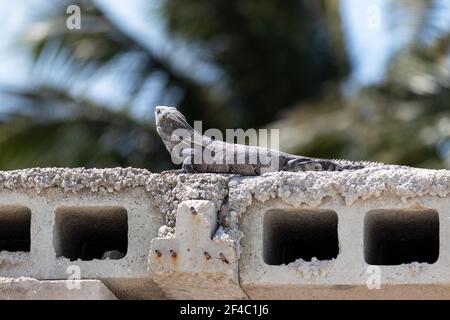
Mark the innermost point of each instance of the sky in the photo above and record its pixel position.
(13, 17)
(370, 40)
(369, 43)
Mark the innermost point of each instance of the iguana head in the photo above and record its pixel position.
(169, 119)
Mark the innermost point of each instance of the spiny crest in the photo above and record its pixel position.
(360, 163)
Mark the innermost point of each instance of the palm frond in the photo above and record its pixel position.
(105, 46)
(421, 67)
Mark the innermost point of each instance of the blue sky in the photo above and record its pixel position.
(369, 45)
(13, 18)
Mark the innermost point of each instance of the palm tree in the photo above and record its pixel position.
(267, 65)
(59, 123)
(276, 62)
(272, 54)
(402, 120)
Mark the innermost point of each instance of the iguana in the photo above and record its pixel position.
(169, 122)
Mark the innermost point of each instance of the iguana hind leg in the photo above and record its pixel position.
(305, 164)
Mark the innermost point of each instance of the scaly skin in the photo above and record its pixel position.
(168, 119)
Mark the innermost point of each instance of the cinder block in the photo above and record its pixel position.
(386, 249)
(192, 265)
(66, 230)
(380, 233)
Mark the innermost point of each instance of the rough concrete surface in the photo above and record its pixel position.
(192, 265)
(154, 204)
(32, 289)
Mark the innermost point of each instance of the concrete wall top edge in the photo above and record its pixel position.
(311, 188)
(404, 181)
(296, 189)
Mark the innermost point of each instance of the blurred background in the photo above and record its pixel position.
(354, 79)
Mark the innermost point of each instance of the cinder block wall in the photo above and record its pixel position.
(379, 233)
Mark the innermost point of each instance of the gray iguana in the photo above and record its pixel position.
(169, 121)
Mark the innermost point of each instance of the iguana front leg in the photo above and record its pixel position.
(189, 165)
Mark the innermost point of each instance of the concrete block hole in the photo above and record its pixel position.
(393, 237)
(292, 234)
(92, 232)
(15, 233)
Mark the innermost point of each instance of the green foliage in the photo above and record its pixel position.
(90, 137)
(273, 54)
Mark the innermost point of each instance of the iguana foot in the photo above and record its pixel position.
(174, 171)
(352, 167)
(188, 168)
